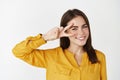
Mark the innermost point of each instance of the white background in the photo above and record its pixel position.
(22, 18)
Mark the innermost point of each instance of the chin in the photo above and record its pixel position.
(80, 43)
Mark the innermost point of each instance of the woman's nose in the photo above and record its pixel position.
(80, 32)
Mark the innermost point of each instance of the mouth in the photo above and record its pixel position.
(82, 38)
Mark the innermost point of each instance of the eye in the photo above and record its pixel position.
(74, 28)
(85, 26)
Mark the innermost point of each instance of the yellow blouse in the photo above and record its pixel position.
(60, 64)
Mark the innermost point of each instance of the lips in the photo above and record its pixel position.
(81, 38)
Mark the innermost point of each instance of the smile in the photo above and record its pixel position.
(80, 38)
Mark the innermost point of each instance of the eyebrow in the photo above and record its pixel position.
(73, 27)
(84, 25)
(78, 26)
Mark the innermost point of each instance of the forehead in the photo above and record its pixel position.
(77, 21)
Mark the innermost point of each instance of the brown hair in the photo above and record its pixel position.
(65, 42)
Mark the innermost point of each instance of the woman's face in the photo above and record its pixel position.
(80, 30)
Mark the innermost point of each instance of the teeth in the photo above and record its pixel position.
(81, 38)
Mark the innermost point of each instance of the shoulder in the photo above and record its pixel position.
(100, 54)
(54, 50)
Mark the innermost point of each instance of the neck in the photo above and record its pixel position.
(76, 50)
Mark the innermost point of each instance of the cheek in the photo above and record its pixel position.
(87, 35)
(74, 36)
(75, 32)
(86, 32)
(71, 32)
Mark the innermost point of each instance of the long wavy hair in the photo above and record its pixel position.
(65, 42)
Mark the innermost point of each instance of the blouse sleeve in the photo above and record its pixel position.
(27, 51)
(103, 68)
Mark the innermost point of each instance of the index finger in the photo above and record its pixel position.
(68, 26)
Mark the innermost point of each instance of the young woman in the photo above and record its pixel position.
(74, 59)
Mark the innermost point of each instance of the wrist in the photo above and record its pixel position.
(44, 37)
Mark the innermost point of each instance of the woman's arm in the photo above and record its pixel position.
(103, 68)
(27, 51)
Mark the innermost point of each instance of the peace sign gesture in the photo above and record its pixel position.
(56, 33)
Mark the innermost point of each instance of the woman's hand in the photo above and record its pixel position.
(56, 33)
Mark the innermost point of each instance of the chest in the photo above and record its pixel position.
(63, 71)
